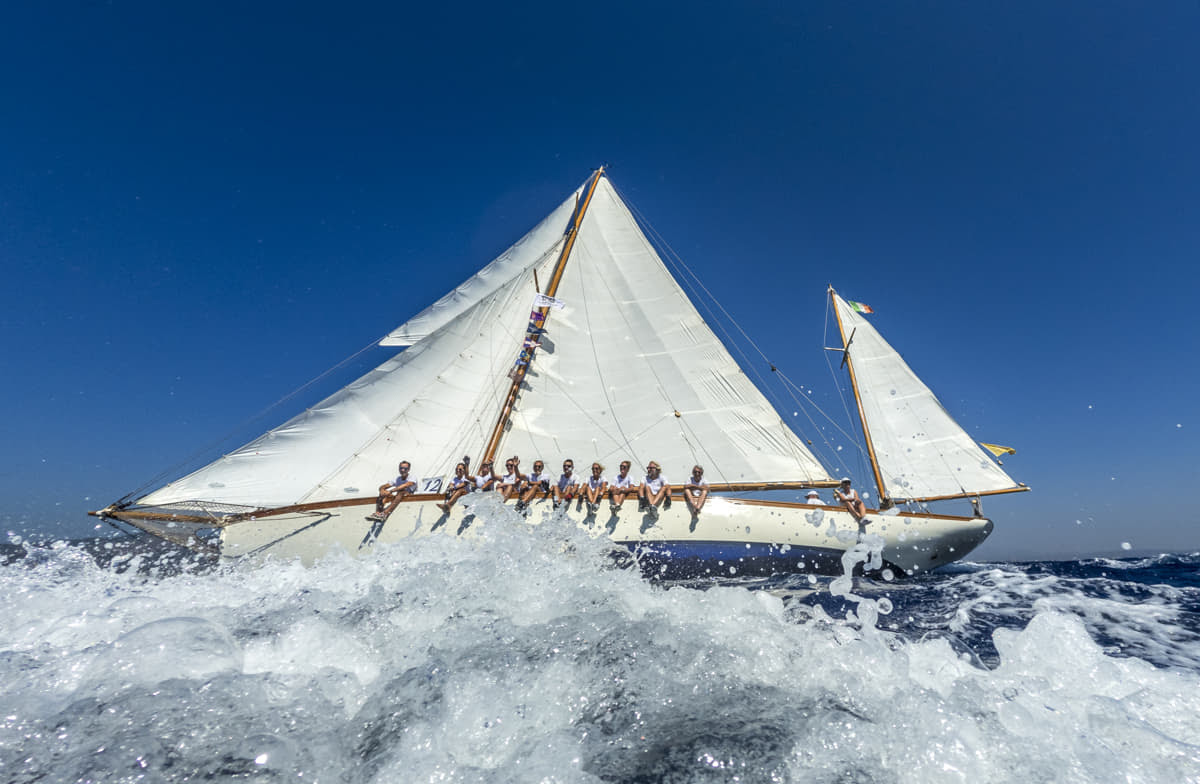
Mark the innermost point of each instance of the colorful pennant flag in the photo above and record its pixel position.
(998, 450)
(860, 307)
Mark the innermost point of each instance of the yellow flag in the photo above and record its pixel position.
(998, 450)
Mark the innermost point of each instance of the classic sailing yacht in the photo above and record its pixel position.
(609, 361)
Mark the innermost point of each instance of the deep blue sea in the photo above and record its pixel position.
(525, 655)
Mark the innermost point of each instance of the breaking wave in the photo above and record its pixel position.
(525, 654)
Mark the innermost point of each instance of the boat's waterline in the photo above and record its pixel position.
(732, 536)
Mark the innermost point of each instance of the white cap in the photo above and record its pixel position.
(845, 479)
(811, 493)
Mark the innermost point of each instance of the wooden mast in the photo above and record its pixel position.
(493, 443)
(862, 414)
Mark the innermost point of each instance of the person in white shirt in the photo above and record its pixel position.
(510, 483)
(848, 497)
(459, 485)
(695, 492)
(594, 487)
(621, 487)
(567, 485)
(813, 497)
(655, 490)
(537, 482)
(486, 477)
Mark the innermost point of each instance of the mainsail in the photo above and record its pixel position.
(921, 453)
(633, 371)
(628, 368)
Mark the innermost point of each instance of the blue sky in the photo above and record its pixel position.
(204, 207)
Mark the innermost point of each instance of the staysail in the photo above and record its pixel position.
(920, 451)
(628, 368)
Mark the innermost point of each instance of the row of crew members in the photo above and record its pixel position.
(652, 492)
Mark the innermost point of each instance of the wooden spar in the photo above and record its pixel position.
(222, 521)
(192, 522)
(862, 414)
(1021, 489)
(489, 451)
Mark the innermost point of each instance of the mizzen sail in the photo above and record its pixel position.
(920, 451)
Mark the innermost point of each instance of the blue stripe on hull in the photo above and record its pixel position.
(690, 560)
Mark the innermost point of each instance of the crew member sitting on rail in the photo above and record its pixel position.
(593, 489)
(567, 485)
(486, 477)
(459, 485)
(391, 493)
(695, 492)
(510, 483)
(537, 482)
(655, 490)
(621, 487)
(848, 497)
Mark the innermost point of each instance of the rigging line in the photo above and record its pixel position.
(689, 279)
(702, 287)
(852, 439)
(587, 317)
(685, 425)
(604, 281)
(804, 400)
(551, 382)
(856, 439)
(833, 375)
(692, 280)
(216, 444)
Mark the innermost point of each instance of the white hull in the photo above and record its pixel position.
(732, 536)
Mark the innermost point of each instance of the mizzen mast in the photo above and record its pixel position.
(862, 414)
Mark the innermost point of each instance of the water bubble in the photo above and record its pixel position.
(1126, 546)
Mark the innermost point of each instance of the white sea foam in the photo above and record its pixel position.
(523, 655)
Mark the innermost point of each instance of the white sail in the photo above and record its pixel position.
(430, 404)
(629, 369)
(624, 355)
(540, 244)
(921, 451)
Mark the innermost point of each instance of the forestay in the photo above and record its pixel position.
(920, 450)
